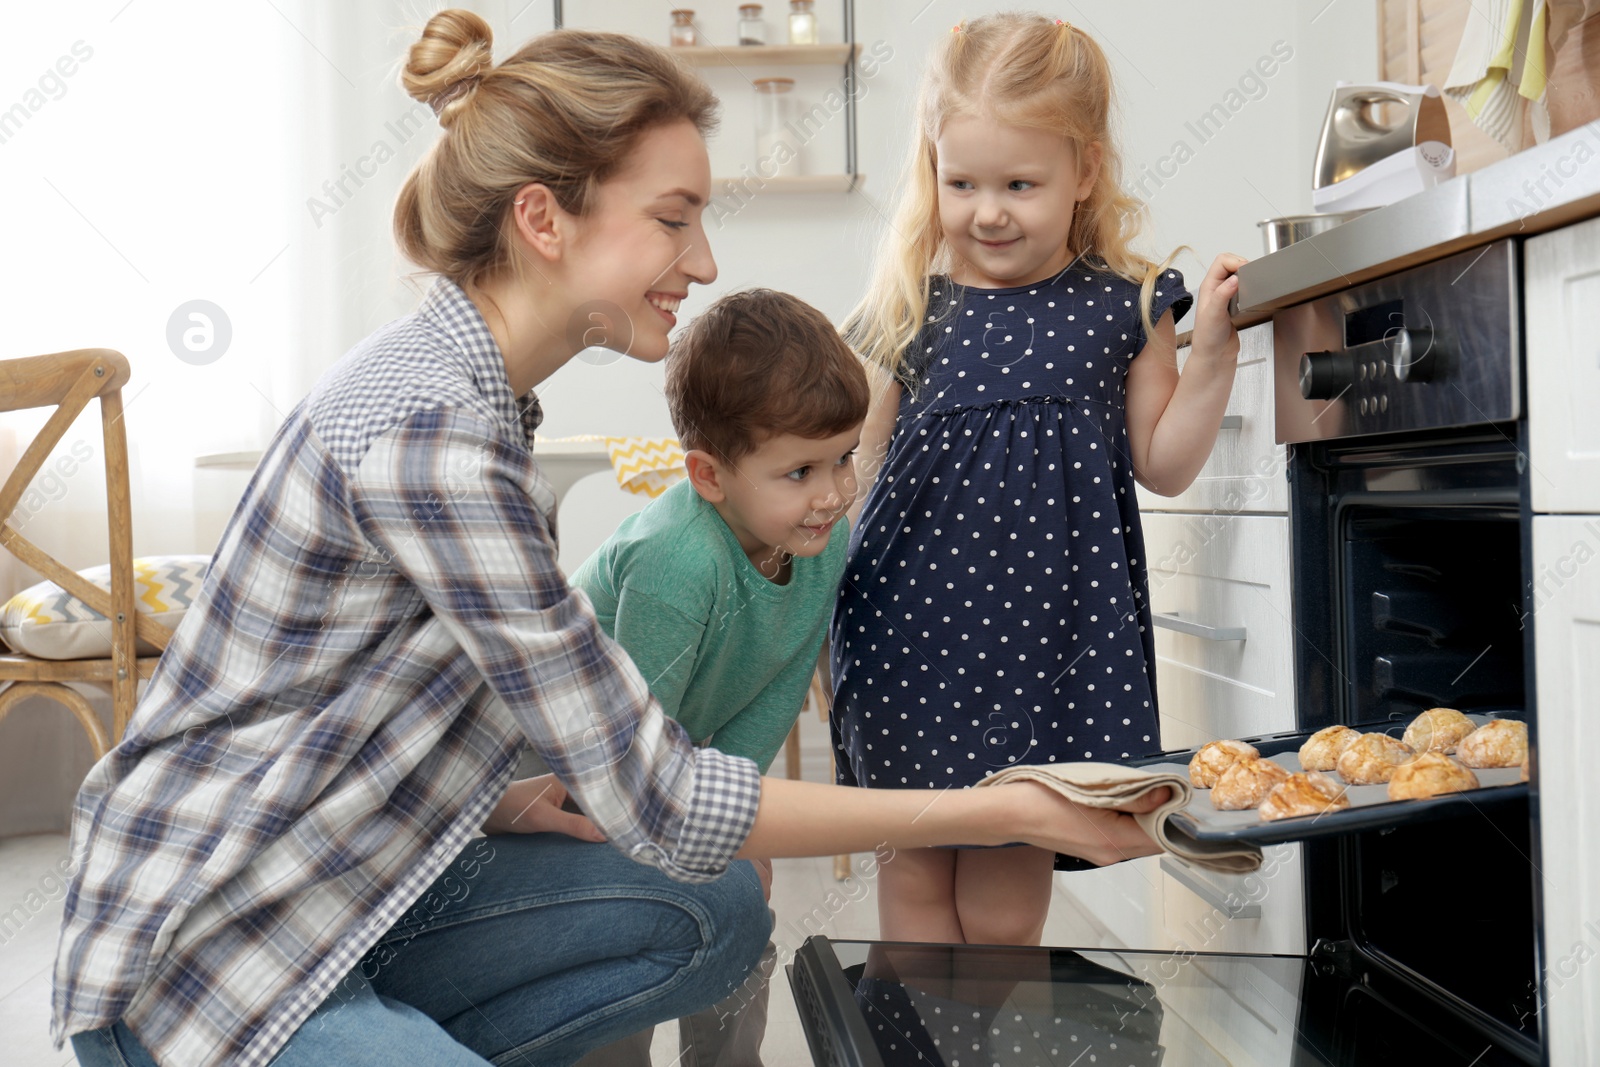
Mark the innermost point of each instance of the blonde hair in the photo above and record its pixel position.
(1023, 70)
(565, 111)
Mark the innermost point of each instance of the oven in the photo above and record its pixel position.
(1401, 402)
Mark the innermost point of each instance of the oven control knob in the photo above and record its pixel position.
(1324, 375)
(1414, 355)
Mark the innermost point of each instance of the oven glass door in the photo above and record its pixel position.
(894, 1003)
(1433, 616)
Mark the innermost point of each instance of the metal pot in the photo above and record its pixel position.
(1285, 231)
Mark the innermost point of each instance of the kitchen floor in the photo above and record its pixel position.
(805, 897)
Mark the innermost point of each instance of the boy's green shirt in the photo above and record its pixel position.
(728, 653)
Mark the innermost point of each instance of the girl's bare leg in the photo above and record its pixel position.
(1002, 895)
(917, 896)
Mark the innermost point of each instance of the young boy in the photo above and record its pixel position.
(720, 590)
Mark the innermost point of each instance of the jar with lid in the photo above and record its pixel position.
(777, 147)
(802, 22)
(683, 34)
(751, 29)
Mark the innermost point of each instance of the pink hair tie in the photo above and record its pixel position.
(956, 28)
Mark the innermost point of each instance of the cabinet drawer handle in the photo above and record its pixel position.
(1233, 908)
(1171, 621)
(1232, 422)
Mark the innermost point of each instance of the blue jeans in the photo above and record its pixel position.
(531, 949)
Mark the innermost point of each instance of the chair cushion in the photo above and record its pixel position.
(48, 622)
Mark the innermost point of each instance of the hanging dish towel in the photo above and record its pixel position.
(1500, 64)
(1111, 785)
(644, 465)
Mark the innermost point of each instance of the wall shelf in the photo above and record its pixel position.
(792, 183)
(767, 55)
(737, 57)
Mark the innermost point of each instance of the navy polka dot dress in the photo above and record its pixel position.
(994, 606)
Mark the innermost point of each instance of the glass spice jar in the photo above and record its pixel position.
(802, 22)
(683, 34)
(751, 29)
(777, 148)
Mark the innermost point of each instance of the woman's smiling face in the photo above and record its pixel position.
(643, 243)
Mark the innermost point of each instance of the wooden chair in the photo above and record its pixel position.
(67, 381)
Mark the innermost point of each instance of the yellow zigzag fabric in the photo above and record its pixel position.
(644, 465)
(46, 621)
(647, 465)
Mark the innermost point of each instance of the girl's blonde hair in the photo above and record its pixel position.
(1021, 70)
(565, 111)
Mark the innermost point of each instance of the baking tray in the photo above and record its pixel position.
(1370, 807)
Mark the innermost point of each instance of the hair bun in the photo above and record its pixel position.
(447, 63)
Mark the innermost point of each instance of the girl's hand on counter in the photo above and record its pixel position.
(1214, 336)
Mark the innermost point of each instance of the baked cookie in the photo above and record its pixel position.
(1209, 763)
(1307, 793)
(1499, 743)
(1524, 767)
(1438, 730)
(1372, 759)
(1246, 784)
(1429, 775)
(1322, 749)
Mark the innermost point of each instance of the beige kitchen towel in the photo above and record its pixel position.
(1111, 785)
(1499, 65)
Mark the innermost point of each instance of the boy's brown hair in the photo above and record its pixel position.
(759, 363)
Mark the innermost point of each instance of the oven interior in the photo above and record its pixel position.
(1433, 616)
(1433, 598)
(1418, 598)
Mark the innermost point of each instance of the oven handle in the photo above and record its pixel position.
(1233, 908)
(1171, 621)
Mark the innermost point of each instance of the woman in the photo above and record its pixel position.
(277, 864)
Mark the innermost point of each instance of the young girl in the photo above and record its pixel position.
(994, 607)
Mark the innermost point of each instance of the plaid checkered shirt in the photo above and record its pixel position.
(382, 629)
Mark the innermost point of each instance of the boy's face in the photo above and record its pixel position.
(782, 499)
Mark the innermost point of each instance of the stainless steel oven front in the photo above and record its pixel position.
(1401, 401)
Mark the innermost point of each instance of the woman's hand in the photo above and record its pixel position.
(533, 806)
(1100, 835)
(764, 876)
(1214, 335)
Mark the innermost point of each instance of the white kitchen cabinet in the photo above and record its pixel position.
(1160, 904)
(1263, 911)
(1566, 620)
(1125, 898)
(1219, 593)
(1245, 472)
(1562, 272)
